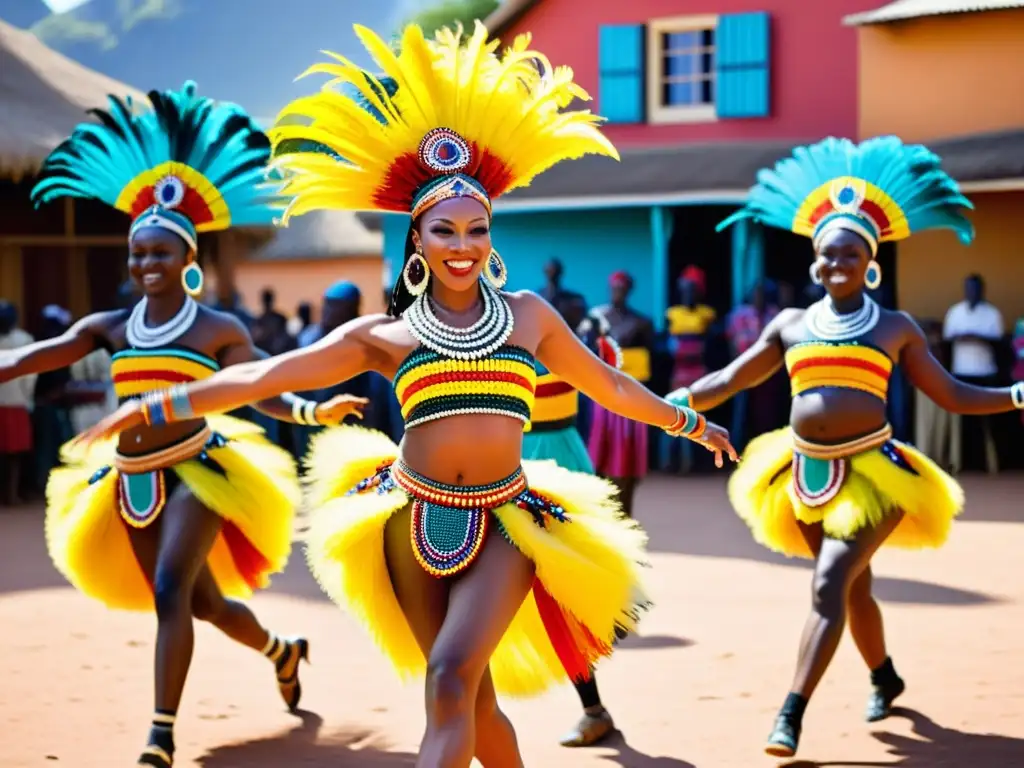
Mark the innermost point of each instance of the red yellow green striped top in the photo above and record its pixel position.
(557, 402)
(849, 366)
(138, 371)
(430, 386)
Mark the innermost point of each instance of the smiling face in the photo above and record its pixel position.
(455, 237)
(156, 258)
(843, 259)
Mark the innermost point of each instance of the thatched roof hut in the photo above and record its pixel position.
(44, 95)
(322, 235)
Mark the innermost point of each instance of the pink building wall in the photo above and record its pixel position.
(813, 72)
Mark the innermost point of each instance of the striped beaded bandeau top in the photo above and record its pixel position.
(557, 403)
(838, 364)
(431, 386)
(138, 371)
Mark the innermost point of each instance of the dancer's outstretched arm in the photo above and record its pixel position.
(346, 352)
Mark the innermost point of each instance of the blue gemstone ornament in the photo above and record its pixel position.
(443, 151)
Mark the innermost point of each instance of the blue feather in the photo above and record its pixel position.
(217, 140)
(911, 176)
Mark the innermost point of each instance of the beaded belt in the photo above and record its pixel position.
(165, 457)
(450, 523)
(819, 471)
(876, 439)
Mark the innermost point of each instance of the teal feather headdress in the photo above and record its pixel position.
(881, 189)
(183, 162)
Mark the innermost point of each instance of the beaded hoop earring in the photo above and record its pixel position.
(495, 271)
(192, 279)
(416, 274)
(873, 275)
(815, 272)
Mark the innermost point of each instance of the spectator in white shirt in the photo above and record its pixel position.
(974, 328)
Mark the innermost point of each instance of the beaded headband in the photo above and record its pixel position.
(167, 219)
(446, 188)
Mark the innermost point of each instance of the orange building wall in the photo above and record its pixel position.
(306, 280)
(942, 76)
(932, 265)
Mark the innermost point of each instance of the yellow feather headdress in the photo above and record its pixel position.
(448, 117)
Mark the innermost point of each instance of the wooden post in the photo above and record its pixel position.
(11, 286)
(79, 293)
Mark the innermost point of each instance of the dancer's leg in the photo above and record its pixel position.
(838, 564)
(236, 620)
(869, 636)
(187, 531)
(481, 605)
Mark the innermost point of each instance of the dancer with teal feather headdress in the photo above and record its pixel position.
(834, 485)
(177, 518)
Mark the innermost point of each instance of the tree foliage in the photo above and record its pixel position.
(447, 13)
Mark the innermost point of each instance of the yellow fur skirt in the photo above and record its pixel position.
(774, 487)
(234, 471)
(588, 557)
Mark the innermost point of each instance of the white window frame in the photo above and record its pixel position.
(657, 112)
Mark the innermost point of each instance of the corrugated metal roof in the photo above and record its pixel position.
(913, 9)
(733, 166)
(507, 14)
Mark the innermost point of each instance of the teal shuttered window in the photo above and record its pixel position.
(743, 65)
(621, 87)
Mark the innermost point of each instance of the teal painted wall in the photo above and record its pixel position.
(591, 245)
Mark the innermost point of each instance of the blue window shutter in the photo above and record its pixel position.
(743, 65)
(621, 87)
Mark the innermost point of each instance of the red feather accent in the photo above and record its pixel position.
(252, 566)
(575, 661)
(192, 205)
(407, 174)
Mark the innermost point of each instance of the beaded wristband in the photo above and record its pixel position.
(688, 423)
(167, 405)
(1017, 395)
(303, 410)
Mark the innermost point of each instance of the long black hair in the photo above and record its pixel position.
(401, 299)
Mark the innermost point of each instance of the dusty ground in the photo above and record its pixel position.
(698, 688)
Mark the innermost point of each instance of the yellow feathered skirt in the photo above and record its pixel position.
(872, 484)
(241, 476)
(588, 567)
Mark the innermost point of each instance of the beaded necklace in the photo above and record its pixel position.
(474, 342)
(829, 325)
(141, 336)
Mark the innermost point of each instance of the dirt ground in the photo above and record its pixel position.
(698, 687)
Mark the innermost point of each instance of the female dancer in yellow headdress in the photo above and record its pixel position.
(834, 485)
(484, 573)
(179, 518)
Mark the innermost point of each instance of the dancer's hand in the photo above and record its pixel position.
(126, 417)
(716, 440)
(334, 411)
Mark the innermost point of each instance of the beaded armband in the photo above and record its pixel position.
(688, 423)
(303, 410)
(1017, 395)
(167, 405)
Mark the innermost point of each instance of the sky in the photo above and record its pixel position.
(59, 6)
